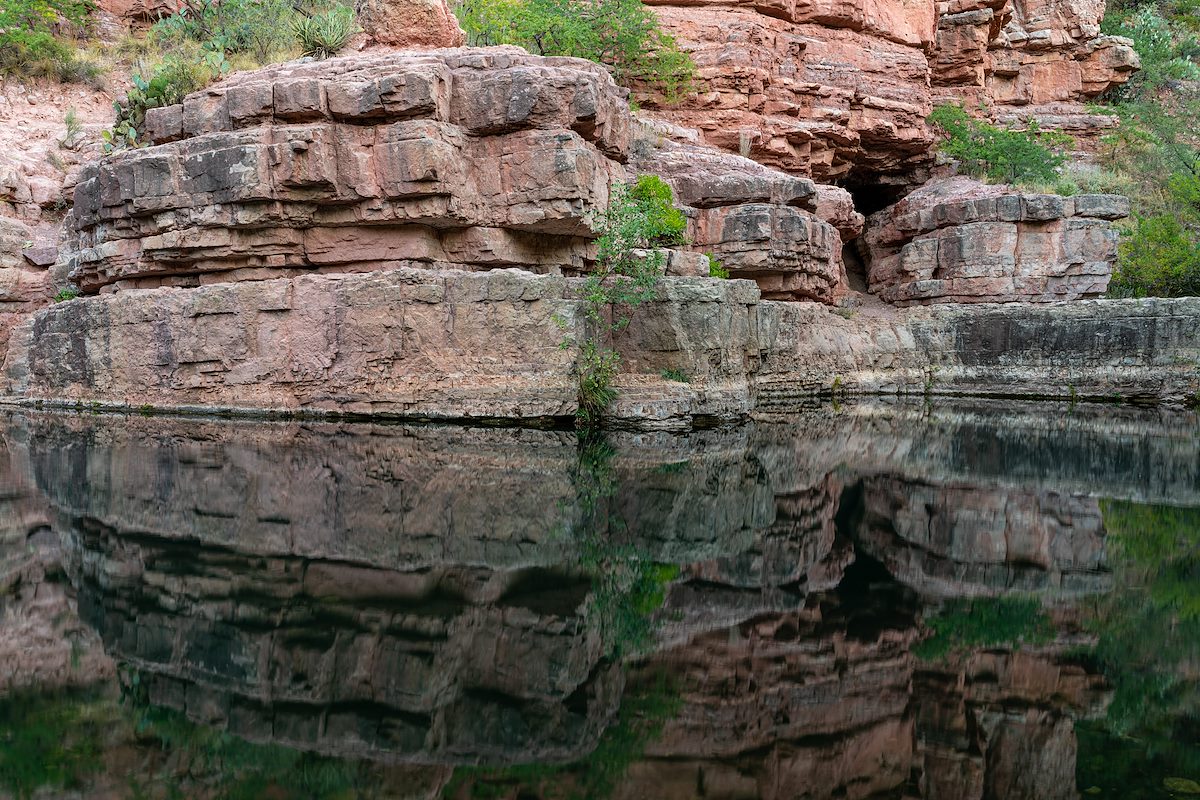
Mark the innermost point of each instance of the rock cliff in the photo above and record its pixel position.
(839, 91)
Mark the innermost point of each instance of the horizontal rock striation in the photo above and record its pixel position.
(959, 241)
(827, 90)
(840, 91)
(405, 342)
(1103, 349)
(1030, 60)
(503, 344)
(354, 164)
(470, 159)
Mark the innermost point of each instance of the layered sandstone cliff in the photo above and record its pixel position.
(840, 91)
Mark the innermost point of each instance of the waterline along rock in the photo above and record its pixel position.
(409, 233)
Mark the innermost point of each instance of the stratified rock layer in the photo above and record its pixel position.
(504, 344)
(474, 159)
(960, 241)
(1030, 60)
(840, 91)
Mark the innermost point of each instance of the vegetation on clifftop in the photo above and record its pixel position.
(38, 39)
(624, 35)
(207, 39)
(1155, 154)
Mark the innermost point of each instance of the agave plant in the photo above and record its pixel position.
(323, 35)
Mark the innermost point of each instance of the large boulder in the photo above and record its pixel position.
(962, 241)
(410, 23)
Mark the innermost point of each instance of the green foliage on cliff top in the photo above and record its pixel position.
(621, 34)
(207, 39)
(36, 40)
(1000, 155)
(1156, 150)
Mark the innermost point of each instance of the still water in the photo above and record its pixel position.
(970, 600)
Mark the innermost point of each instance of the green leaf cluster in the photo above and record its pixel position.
(207, 39)
(639, 218)
(1156, 150)
(984, 622)
(29, 47)
(1000, 155)
(325, 33)
(624, 35)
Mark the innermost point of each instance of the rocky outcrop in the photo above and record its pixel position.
(1030, 60)
(476, 159)
(1091, 348)
(831, 91)
(783, 232)
(840, 91)
(410, 23)
(402, 342)
(418, 343)
(961, 241)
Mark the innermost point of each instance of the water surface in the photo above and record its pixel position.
(970, 600)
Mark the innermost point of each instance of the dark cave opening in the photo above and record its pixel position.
(873, 195)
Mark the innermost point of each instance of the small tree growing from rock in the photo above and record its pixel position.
(639, 219)
(1000, 155)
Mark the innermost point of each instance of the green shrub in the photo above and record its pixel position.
(676, 375)
(324, 34)
(28, 48)
(596, 369)
(665, 224)
(1000, 154)
(639, 217)
(1166, 43)
(621, 34)
(715, 270)
(1155, 151)
(1159, 257)
(261, 29)
(38, 54)
(168, 83)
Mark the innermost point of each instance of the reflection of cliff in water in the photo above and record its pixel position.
(437, 595)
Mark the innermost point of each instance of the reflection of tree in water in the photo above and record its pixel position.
(984, 622)
(627, 591)
(1149, 648)
(627, 588)
(63, 741)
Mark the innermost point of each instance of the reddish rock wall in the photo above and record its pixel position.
(839, 91)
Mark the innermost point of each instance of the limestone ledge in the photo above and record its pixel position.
(504, 345)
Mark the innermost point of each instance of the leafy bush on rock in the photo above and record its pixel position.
(624, 35)
(1000, 155)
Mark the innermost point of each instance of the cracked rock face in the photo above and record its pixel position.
(960, 241)
(475, 159)
(839, 91)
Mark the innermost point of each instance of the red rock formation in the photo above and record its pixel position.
(962, 241)
(1029, 59)
(839, 91)
(410, 23)
(824, 89)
